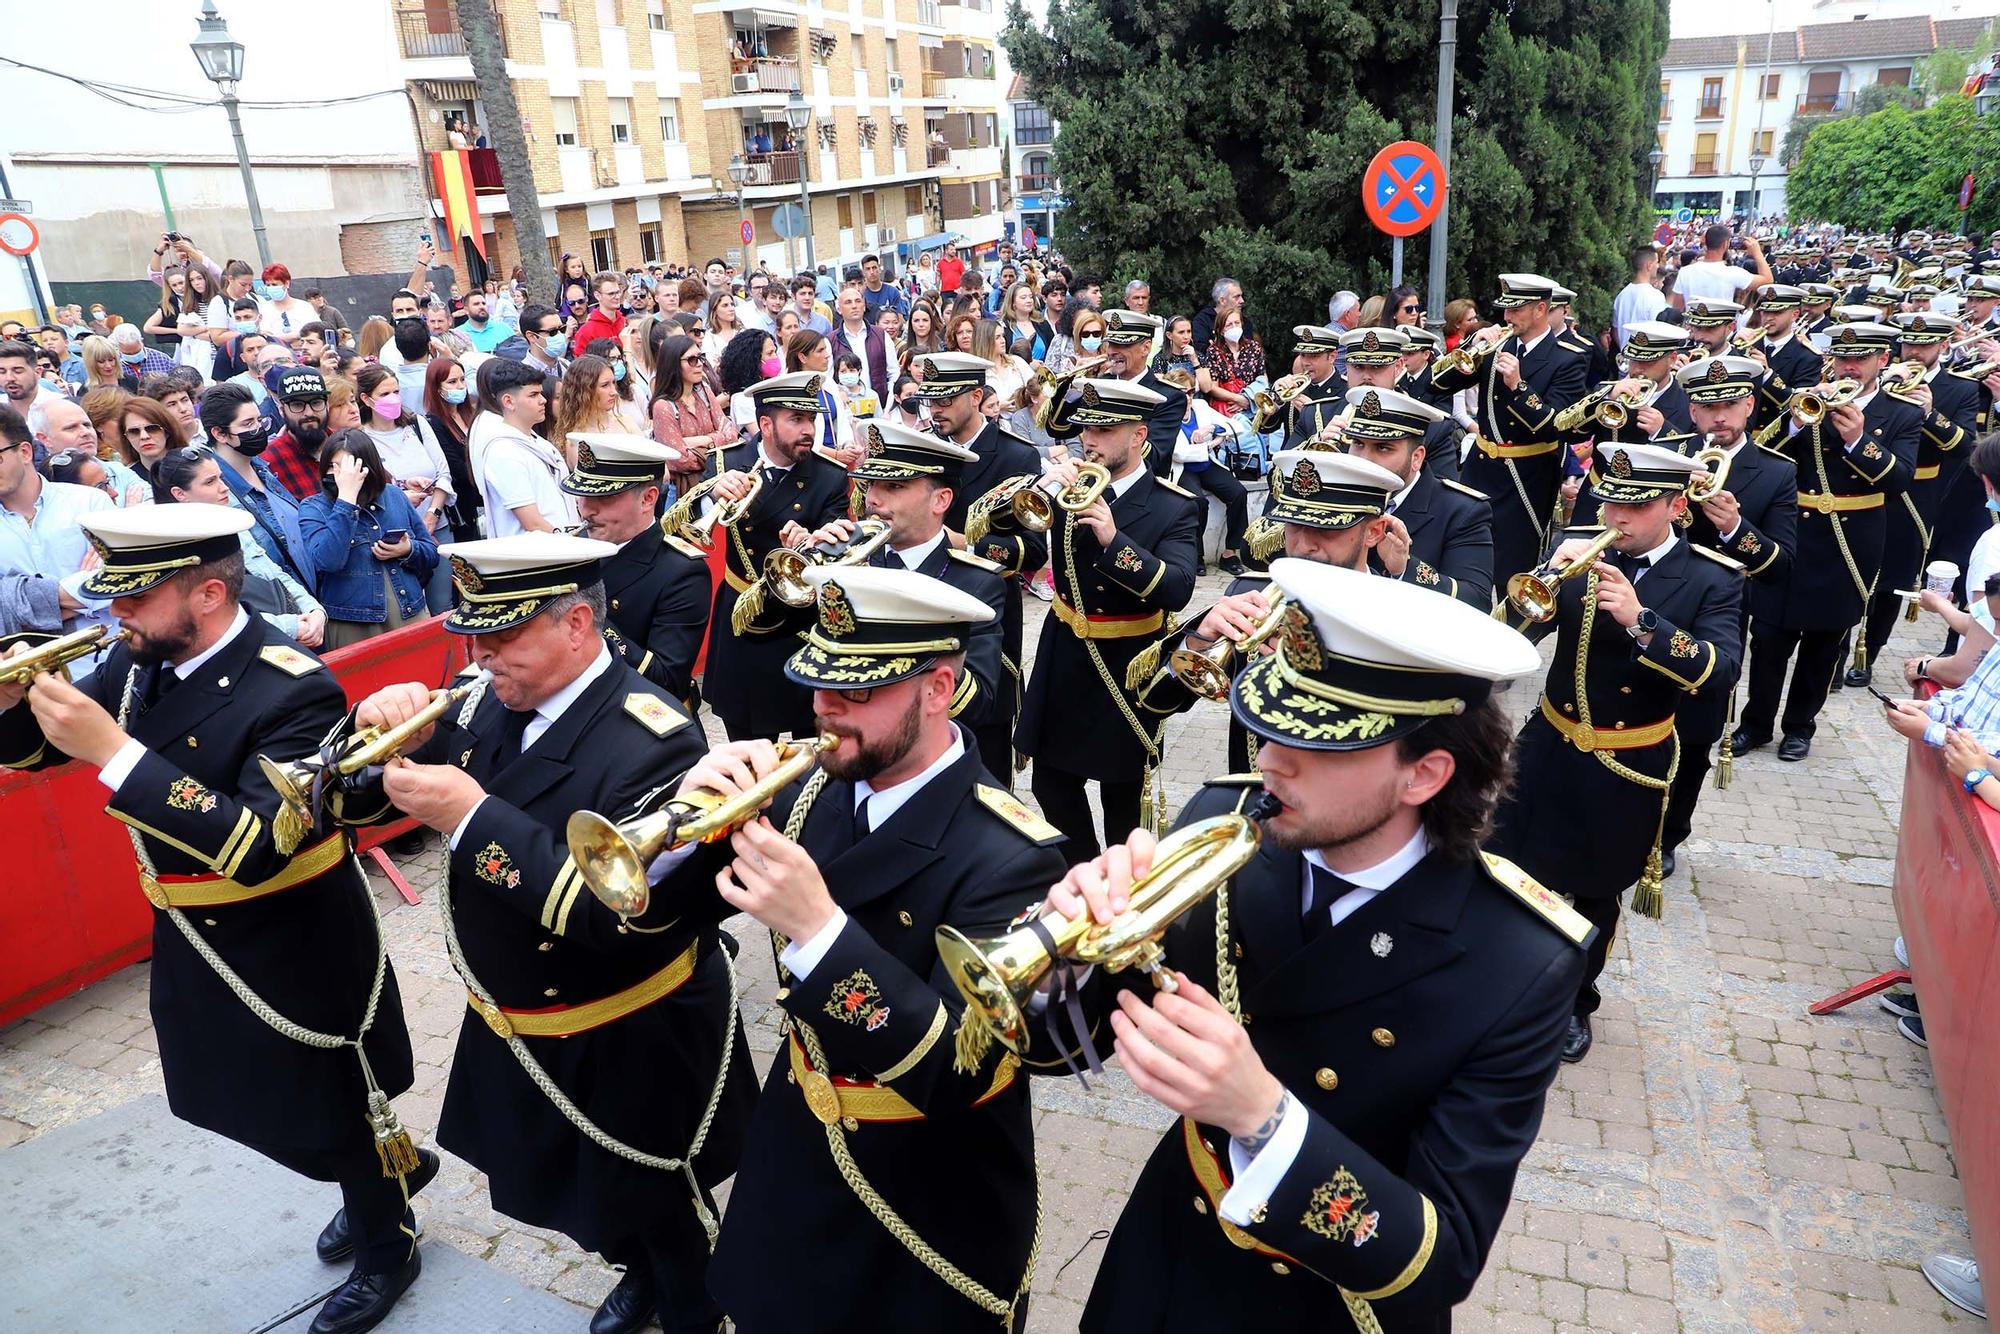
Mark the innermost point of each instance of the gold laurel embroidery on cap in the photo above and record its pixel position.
(857, 1000)
(185, 794)
(1620, 464)
(1301, 640)
(493, 865)
(466, 577)
(1339, 1211)
(836, 613)
(1371, 404)
(1304, 480)
(586, 457)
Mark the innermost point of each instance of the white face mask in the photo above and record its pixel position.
(850, 378)
(1234, 333)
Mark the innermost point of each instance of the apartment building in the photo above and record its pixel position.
(1725, 104)
(1038, 199)
(610, 96)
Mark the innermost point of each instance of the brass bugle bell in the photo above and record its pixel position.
(55, 655)
(1533, 595)
(1704, 489)
(785, 569)
(300, 784)
(1208, 671)
(613, 858)
(1270, 403)
(1811, 405)
(998, 975)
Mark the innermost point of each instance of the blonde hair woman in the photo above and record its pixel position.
(100, 363)
(374, 336)
(587, 400)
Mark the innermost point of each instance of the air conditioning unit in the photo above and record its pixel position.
(606, 169)
(743, 83)
(895, 85)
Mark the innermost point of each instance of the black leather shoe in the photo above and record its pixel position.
(365, 1300)
(1794, 748)
(1576, 1043)
(1742, 743)
(629, 1308)
(1859, 677)
(1667, 863)
(1233, 564)
(336, 1242)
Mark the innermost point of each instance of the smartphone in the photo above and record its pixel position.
(1887, 703)
(424, 239)
(392, 536)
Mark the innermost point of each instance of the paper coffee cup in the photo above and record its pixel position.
(1940, 575)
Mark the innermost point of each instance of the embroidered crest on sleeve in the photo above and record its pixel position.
(1682, 644)
(1748, 543)
(1339, 1211)
(494, 866)
(1128, 560)
(857, 1000)
(1426, 575)
(185, 794)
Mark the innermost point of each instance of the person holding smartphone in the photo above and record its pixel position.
(373, 550)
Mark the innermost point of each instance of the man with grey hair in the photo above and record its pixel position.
(1139, 296)
(1224, 297)
(135, 360)
(1343, 312)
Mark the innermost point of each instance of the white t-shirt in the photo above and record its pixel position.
(1984, 561)
(1713, 280)
(1639, 301)
(514, 470)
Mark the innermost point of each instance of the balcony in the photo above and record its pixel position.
(1036, 182)
(1825, 104)
(485, 165)
(776, 168)
(1702, 166)
(1708, 110)
(763, 74)
(419, 42)
(936, 155)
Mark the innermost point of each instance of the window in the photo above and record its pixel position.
(868, 208)
(552, 10)
(844, 205)
(1032, 125)
(670, 120)
(890, 60)
(621, 119)
(1664, 87)
(607, 14)
(1770, 89)
(565, 109)
(860, 40)
(1762, 141)
(1710, 106)
(1894, 77)
(649, 246)
(1704, 155)
(603, 252)
(913, 200)
(656, 19)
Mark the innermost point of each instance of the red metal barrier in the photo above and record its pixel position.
(1948, 902)
(72, 911)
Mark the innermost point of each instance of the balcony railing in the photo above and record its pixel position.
(1037, 182)
(934, 80)
(1702, 166)
(936, 155)
(485, 165)
(1707, 110)
(413, 29)
(1824, 104)
(777, 168)
(763, 74)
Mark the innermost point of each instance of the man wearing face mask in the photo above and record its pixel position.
(135, 359)
(238, 434)
(284, 314)
(293, 454)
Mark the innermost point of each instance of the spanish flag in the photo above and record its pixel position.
(452, 171)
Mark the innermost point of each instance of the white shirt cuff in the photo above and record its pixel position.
(1730, 536)
(800, 960)
(1257, 1179)
(120, 766)
(459, 832)
(669, 861)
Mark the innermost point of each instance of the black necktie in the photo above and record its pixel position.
(883, 559)
(1633, 566)
(861, 823)
(1326, 887)
(513, 728)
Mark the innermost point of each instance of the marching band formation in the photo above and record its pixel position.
(1351, 965)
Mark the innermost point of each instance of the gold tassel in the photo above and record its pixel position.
(1861, 647)
(674, 522)
(1265, 538)
(1910, 611)
(749, 606)
(288, 830)
(971, 1042)
(1647, 899)
(393, 1146)
(1725, 765)
(1140, 670)
(977, 523)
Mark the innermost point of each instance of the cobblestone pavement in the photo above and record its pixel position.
(1721, 1161)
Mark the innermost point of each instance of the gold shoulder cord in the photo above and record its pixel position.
(1865, 587)
(1153, 796)
(850, 1171)
(393, 1146)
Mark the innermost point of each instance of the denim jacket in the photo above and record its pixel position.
(338, 537)
(277, 519)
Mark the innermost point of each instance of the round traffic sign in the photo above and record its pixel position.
(1403, 188)
(1662, 234)
(748, 231)
(18, 235)
(788, 221)
(1685, 215)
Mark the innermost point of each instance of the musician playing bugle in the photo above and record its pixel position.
(601, 1079)
(1368, 1014)
(889, 1178)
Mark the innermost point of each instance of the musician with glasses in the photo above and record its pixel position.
(1368, 1013)
(1852, 461)
(1648, 622)
(263, 942)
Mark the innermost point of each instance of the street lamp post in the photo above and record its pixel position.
(739, 172)
(798, 115)
(221, 60)
(1654, 159)
(1756, 170)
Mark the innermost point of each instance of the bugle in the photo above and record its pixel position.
(1472, 352)
(997, 975)
(1704, 489)
(1208, 671)
(1056, 388)
(55, 655)
(1811, 405)
(1271, 403)
(613, 858)
(1533, 595)
(1902, 377)
(785, 568)
(301, 784)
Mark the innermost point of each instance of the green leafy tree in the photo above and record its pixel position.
(1944, 72)
(1899, 168)
(1209, 137)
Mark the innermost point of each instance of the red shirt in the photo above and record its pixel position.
(597, 325)
(949, 272)
(295, 467)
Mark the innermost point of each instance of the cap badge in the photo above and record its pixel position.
(1091, 397)
(1621, 463)
(1305, 480)
(1371, 404)
(875, 442)
(1717, 372)
(586, 457)
(836, 613)
(465, 576)
(1300, 641)
(1369, 341)
(812, 386)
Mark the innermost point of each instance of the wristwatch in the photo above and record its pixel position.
(1644, 625)
(1974, 777)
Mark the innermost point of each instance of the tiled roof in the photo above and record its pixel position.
(1960, 33)
(1868, 37)
(1863, 39)
(1720, 52)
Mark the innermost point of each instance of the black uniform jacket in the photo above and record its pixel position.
(1795, 363)
(985, 699)
(744, 681)
(537, 939)
(1163, 693)
(1571, 821)
(1069, 720)
(797, 1243)
(1018, 552)
(1317, 404)
(1945, 434)
(1835, 571)
(1421, 1033)
(1451, 539)
(1766, 486)
(657, 600)
(200, 801)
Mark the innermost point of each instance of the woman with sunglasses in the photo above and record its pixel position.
(688, 417)
(1402, 306)
(192, 477)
